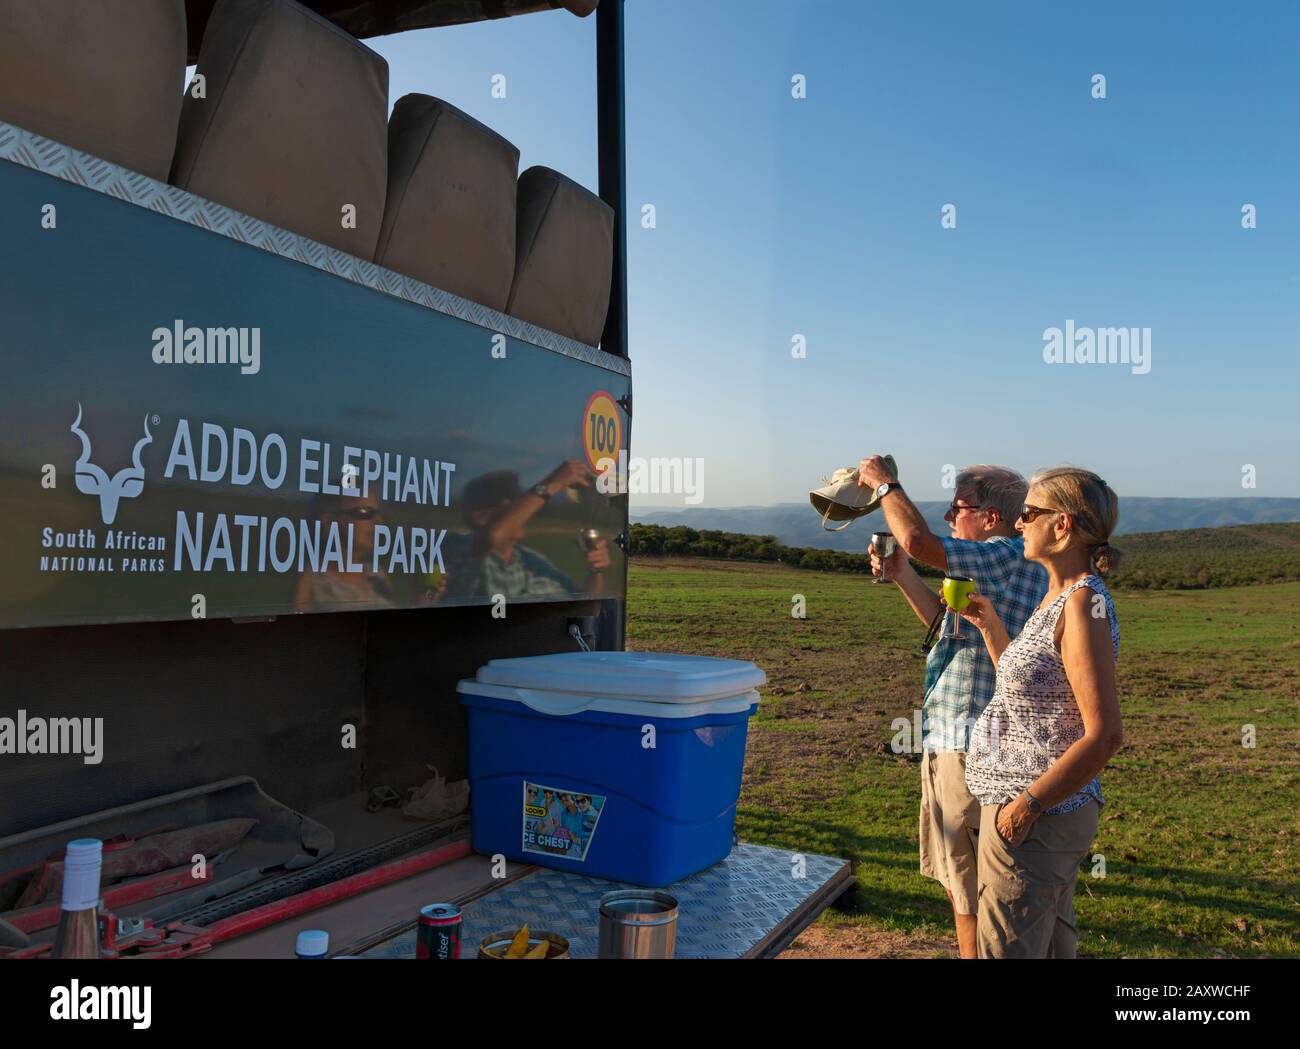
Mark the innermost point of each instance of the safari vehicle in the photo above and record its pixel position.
(280, 372)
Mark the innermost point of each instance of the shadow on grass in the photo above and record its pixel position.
(894, 903)
(891, 889)
(1115, 885)
(798, 833)
(1142, 941)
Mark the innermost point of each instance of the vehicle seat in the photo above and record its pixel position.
(294, 125)
(105, 78)
(564, 250)
(450, 214)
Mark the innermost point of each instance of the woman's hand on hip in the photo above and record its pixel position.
(1015, 820)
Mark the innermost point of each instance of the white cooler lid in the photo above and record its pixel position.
(562, 704)
(650, 677)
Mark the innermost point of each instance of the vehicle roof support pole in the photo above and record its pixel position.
(612, 130)
(611, 124)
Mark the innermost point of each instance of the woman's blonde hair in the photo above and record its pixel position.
(1092, 504)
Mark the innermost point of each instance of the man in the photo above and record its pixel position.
(491, 558)
(589, 815)
(571, 822)
(959, 675)
(553, 810)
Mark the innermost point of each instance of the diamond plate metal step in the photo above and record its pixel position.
(750, 905)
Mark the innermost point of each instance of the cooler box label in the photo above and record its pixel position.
(560, 822)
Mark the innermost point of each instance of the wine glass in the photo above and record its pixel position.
(884, 544)
(957, 590)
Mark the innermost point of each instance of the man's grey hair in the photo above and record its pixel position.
(996, 487)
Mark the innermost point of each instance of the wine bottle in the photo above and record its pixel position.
(78, 933)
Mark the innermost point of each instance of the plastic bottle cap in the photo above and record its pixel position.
(312, 943)
(82, 850)
(81, 867)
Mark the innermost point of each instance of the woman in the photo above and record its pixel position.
(334, 588)
(1038, 749)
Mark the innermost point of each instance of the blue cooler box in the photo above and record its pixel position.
(619, 765)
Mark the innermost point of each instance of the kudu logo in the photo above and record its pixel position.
(125, 484)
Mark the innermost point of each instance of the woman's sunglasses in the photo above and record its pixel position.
(1032, 513)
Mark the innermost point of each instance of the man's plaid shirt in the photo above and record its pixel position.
(959, 675)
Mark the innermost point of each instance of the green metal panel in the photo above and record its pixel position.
(341, 370)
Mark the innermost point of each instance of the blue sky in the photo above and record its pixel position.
(821, 216)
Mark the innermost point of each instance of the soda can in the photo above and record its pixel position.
(438, 935)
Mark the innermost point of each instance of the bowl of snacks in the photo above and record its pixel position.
(524, 944)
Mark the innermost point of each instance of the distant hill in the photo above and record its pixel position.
(797, 524)
(1209, 557)
(1194, 558)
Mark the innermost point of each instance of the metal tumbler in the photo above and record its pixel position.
(637, 923)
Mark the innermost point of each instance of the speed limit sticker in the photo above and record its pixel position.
(602, 429)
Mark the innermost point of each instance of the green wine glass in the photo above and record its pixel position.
(957, 590)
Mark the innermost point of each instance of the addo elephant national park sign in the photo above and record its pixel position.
(194, 427)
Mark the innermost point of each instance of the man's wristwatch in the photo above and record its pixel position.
(1035, 806)
(541, 491)
(883, 490)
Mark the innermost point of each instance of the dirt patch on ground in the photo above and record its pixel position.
(858, 941)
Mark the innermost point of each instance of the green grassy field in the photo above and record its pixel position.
(1201, 835)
